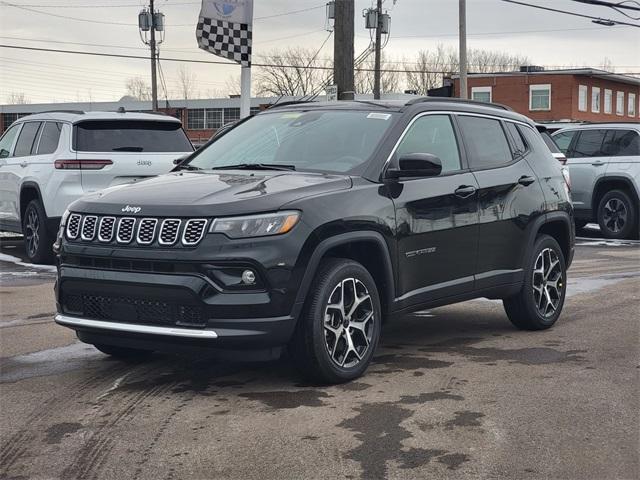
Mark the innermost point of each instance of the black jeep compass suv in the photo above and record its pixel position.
(309, 224)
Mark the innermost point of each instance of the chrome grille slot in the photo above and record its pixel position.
(147, 231)
(125, 229)
(73, 226)
(105, 232)
(169, 231)
(89, 227)
(193, 231)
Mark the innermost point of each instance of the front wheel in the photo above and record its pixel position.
(37, 241)
(339, 330)
(538, 304)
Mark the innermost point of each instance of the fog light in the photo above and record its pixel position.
(248, 277)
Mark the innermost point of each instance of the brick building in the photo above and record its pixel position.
(589, 95)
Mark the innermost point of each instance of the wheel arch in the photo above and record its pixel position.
(29, 191)
(366, 247)
(558, 225)
(607, 183)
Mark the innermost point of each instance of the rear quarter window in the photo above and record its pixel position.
(130, 136)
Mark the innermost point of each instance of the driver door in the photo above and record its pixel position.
(8, 178)
(437, 217)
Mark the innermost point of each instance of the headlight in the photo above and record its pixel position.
(256, 225)
(63, 223)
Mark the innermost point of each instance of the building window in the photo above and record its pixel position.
(595, 100)
(608, 98)
(582, 98)
(195, 119)
(540, 97)
(231, 115)
(619, 103)
(631, 105)
(213, 118)
(481, 94)
(254, 111)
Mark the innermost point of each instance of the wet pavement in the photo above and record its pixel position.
(455, 392)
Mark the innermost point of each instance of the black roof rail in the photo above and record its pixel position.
(77, 112)
(458, 100)
(291, 102)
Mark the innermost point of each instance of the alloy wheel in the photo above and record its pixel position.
(615, 215)
(32, 232)
(548, 282)
(348, 323)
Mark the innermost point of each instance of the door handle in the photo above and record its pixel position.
(23, 164)
(526, 180)
(464, 191)
(597, 163)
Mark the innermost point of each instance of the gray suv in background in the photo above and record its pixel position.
(604, 164)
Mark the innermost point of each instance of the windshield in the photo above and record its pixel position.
(325, 141)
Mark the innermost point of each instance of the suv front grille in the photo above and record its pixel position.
(143, 231)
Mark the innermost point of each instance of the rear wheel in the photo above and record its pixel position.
(37, 240)
(339, 330)
(538, 304)
(617, 215)
(122, 352)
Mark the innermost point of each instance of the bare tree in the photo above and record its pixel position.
(187, 83)
(432, 65)
(138, 88)
(17, 99)
(389, 76)
(607, 65)
(287, 73)
(232, 85)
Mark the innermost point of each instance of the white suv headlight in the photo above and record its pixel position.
(256, 225)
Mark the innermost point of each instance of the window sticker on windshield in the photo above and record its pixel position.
(291, 114)
(379, 116)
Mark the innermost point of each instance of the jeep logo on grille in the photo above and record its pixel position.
(130, 209)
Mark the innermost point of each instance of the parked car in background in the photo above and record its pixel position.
(307, 225)
(604, 164)
(48, 160)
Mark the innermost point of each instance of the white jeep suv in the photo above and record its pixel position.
(48, 160)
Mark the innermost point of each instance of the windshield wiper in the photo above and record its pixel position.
(186, 166)
(127, 149)
(256, 166)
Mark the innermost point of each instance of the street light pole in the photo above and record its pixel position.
(152, 46)
(462, 17)
(378, 48)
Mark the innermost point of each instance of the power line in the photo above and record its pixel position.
(519, 32)
(618, 7)
(604, 21)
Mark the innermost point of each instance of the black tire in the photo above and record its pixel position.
(38, 243)
(617, 215)
(122, 352)
(525, 308)
(312, 339)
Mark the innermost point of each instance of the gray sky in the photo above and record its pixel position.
(547, 38)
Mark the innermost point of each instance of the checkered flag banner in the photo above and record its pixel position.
(224, 29)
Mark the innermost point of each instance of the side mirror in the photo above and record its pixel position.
(4, 153)
(416, 165)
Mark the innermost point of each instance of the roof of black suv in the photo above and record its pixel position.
(417, 104)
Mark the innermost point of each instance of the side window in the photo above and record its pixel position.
(485, 141)
(621, 143)
(520, 147)
(49, 138)
(6, 142)
(563, 140)
(589, 144)
(433, 134)
(27, 139)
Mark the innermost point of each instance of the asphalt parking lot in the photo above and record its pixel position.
(455, 392)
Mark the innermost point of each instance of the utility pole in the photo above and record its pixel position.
(152, 46)
(462, 17)
(378, 49)
(343, 74)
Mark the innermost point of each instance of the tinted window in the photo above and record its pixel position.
(485, 142)
(130, 136)
(516, 137)
(49, 138)
(26, 139)
(563, 140)
(550, 143)
(620, 143)
(7, 141)
(589, 144)
(433, 134)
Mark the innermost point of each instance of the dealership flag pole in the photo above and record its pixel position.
(225, 29)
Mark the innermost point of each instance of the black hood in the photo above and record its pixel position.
(218, 193)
